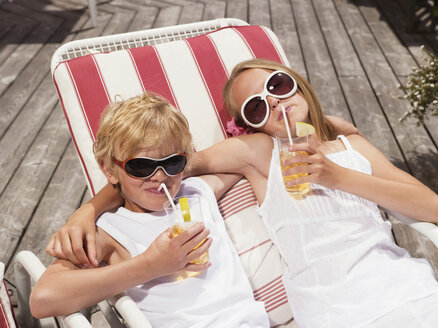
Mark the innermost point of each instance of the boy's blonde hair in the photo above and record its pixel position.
(324, 129)
(143, 122)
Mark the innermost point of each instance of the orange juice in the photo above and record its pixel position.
(301, 190)
(185, 212)
(180, 227)
(176, 230)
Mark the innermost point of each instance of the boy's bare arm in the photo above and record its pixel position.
(64, 288)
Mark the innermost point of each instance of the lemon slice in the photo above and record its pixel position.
(304, 129)
(185, 209)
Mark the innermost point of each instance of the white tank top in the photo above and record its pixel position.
(219, 297)
(344, 269)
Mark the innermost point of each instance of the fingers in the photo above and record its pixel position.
(50, 245)
(189, 233)
(57, 249)
(306, 159)
(92, 250)
(77, 247)
(203, 248)
(67, 251)
(300, 180)
(302, 147)
(195, 241)
(197, 267)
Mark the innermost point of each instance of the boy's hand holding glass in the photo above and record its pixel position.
(169, 254)
(184, 213)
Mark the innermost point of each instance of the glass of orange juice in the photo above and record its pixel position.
(299, 191)
(186, 212)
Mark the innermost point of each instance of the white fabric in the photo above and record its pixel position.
(218, 297)
(344, 269)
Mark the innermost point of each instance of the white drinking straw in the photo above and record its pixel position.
(163, 186)
(287, 125)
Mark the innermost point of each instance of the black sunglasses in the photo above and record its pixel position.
(144, 167)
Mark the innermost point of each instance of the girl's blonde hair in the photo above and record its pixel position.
(143, 122)
(324, 129)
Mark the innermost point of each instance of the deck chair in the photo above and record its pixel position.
(188, 65)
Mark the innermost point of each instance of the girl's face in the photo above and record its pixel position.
(251, 82)
(142, 195)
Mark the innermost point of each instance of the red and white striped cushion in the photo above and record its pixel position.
(7, 318)
(190, 74)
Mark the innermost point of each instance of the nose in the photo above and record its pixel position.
(272, 101)
(159, 175)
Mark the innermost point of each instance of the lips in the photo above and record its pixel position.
(287, 110)
(155, 191)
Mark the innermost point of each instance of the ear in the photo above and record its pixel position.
(110, 175)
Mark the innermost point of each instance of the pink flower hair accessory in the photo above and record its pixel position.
(236, 130)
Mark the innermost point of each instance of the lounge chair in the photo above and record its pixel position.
(187, 64)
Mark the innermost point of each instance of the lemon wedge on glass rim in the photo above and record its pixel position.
(185, 208)
(304, 129)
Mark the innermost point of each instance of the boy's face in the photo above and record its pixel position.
(142, 195)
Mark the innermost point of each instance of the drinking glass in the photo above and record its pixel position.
(185, 207)
(299, 191)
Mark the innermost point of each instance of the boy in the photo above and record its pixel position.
(141, 143)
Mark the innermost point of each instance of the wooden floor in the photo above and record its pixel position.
(353, 52)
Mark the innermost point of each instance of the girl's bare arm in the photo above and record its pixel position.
(392, 187)
(239, 155)
(389, 186)
(68, 243)
(221, 183)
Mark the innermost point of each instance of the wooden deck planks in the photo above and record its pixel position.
(284, 26)
(413, 140)
(29, 182)
(12, 66)
(60, 199)
(16, 33)
(353, 52)
(320, 70)
(259, 13)
(214, 9)
(191, 13)
(342, 52)
(237, 9)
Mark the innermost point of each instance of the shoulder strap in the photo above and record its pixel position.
(345, 142)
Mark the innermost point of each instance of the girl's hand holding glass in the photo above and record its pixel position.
(168, 254)
(319, 168)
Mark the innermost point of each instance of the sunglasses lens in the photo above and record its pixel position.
(140, 167)
(255, 110)
(144, 167)
(175, 164)
(280, 84)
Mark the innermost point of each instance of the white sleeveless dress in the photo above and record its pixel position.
(344, 269)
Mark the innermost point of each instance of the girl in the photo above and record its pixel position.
(344, 269)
